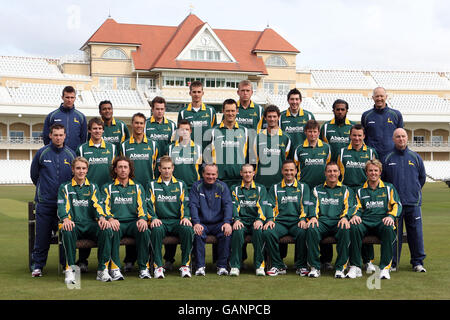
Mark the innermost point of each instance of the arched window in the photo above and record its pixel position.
(114, 54)
(276, 61)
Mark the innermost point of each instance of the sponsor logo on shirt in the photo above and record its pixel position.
(98, 160)
(123, 200)
(287, 199)
(80, 203)
(138, 156)
(355, 165)
(291, 129)
(247, 203)
(164, 198)
(374, 204)
(329, 201)
(314, 162)
(335, 139)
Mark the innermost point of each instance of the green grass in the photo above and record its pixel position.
(16, 281)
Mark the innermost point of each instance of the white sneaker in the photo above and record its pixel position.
(104, 276)
(116, 275)
(314, 273)
(185, 272)
(222, 272)
(36, 273)
(419, 268)
(354, 272)
(339, 274)
(393, 269)
(370, 267)
(70, 276)
(384, 274)
(158, 273)
(260, 272)
(302, 272)
(273, 272)
(144, 274)
(200, 271)
(234, 272)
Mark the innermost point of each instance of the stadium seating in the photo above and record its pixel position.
(120, 98)
(410, 80)
(419, 103)
(15, 172)
(438, 170)
(350, 79)
(30, 67)
(357, 102)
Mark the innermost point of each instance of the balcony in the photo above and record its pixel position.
(21, 143)
(430, 146)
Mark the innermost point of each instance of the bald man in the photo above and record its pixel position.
(380, 123)
(405, 170)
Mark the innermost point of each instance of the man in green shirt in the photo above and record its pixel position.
(158, 127)
(289, 201)
(336, 132)
(293, 120)
(229, 145)
(249, 114)
(249, 215)
(333, 203)
(100, 155)
(271, 148)
(186, 155)
(199, 115)
(187, 159)
(352, 162)
(169, 210)
(141, 150)
(115, 131)
(378, 207)
(312, 156)
(124, 203)
(81, 216)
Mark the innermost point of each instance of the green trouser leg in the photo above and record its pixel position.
(357, 232)
(142, 244)
(316, 234)
(172, 226)
(313, 237)
(88, 231)
(367, 253)
(186, 235)
(387, 236)
(69, 241)
(271, 237)
(157, 236)
(343, 246)
(300, 256)
(237, 243)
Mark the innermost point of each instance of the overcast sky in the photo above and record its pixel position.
(349, 34)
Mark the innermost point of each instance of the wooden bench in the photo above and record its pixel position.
(85, 243)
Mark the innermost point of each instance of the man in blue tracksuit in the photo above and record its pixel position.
(405, 170)
(211, 213)
(51, 166)
(73, 120)
(380, 123)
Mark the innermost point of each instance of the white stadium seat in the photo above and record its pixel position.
(15, 172)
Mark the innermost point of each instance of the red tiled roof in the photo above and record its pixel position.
(158, 46)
